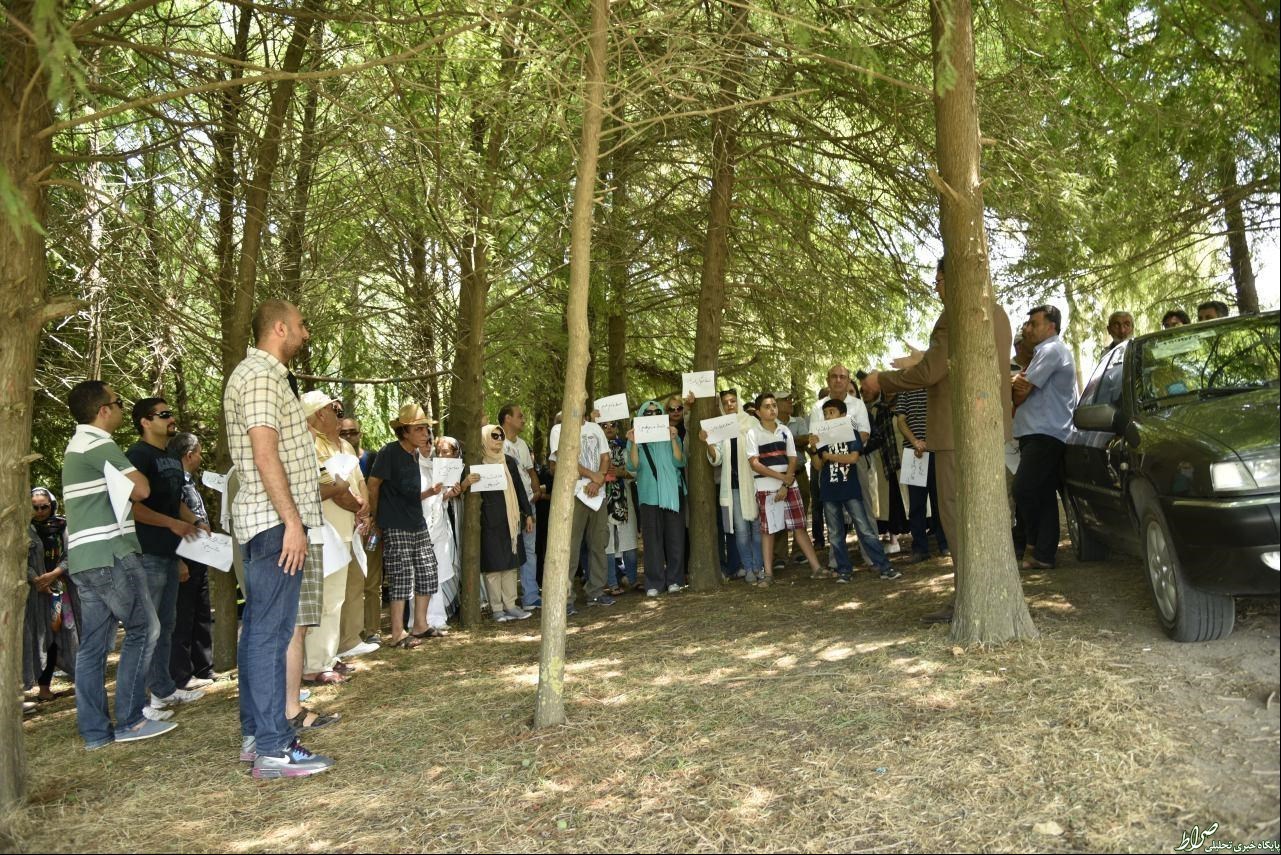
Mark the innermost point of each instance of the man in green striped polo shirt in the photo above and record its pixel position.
(103, 559)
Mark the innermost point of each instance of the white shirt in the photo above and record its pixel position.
(855, 409)
(591, 445)
(519, 449)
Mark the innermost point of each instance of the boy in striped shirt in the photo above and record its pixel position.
(103, 559)
(771, 452)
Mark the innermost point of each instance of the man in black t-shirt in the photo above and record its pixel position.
(162, 522)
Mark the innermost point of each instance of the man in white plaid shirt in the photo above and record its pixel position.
(277, 503)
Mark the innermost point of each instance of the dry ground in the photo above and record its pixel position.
(808, 717)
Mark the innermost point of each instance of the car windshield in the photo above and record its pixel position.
(1201, 361)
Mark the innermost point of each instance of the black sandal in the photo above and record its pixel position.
(431, 632)
(320, 720)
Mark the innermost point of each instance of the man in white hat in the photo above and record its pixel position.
(342, 493)
(396, 514)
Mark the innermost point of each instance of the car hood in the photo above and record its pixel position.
(1246, 422)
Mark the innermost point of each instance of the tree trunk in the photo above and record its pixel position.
(293, 244)
(989, 596)
(236, 281)
(549, 707)
(1238, 243)
(704, 501)
(24, 158)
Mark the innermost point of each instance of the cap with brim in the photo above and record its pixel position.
(411, 415)
(314, 401)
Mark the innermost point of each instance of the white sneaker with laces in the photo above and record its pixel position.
(179, 696)
(156, 714)
(361, 649)
(673, 588)
(652, 592)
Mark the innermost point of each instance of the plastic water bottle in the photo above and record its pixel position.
(372, 543)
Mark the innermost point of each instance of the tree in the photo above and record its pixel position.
(989, 595)
(549, 705)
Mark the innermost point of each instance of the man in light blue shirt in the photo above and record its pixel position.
(1044, 395)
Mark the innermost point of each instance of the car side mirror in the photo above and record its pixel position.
(1102, 417)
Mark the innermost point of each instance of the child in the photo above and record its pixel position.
(842, 496)
(771, 452)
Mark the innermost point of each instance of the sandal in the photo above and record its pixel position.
(325, 678)
(344, 669)
(318, 720)
(1033, 564)
(431, 632)
(407, 643)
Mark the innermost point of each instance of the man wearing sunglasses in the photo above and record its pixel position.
(163, 520)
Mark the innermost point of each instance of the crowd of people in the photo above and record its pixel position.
(323, 525)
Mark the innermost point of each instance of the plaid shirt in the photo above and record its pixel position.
(259, 394)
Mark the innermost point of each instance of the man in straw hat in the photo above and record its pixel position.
(396, 512)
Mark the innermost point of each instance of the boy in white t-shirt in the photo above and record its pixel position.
(771, 451)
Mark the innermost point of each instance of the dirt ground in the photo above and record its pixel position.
(810, 716)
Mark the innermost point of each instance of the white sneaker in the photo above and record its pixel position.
(893, 548)
(361, 649)
(652, 592)
(673, 588)
(179, 696)
(156, 714)
(197, 683)
(502, 617)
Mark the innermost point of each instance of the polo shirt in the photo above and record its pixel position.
(94, 537)
(259, 394)
(1047, 410)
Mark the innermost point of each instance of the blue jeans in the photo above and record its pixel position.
(529, 593)
(834, 514)
(271, 609)
(629, 566)
(747, 536)
(110, 596)
(162, 584)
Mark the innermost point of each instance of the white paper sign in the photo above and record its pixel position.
(1012, 456)
(337, 554)
(447, 470)
(767, 485)
(612, 408)
(491, 477)
(212, 550)
(214, 481)
(119, 489)
(651, 429)
(831, 431)
(358, 549)
(774, 513)
(342, 465)
(701, 383)
(720, 428)
(915, 471)
(593, 502)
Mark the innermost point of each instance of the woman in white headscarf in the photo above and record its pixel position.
(503, 515)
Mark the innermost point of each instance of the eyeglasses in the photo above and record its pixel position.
(349, 433)
(653, 412)
(41, 507)
(838, 377)
(337, 408)
(118, 402)
(497, 434)
(680, 408)
(163, 414)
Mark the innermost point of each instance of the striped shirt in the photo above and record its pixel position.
(772, 451)
(94, 537)
(258, 394)
(913, 407)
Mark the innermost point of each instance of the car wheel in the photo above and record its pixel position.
(1186, 613)
(1089, 546)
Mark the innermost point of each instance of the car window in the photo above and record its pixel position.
(1105, 386)
(1208, 359)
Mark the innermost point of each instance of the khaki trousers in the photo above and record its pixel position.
(352, 620)
(320, 647)
(374, 592)
(501, 587)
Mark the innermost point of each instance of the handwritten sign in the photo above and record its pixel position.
(651, 429)
(214, 481)
(447, 470)
(720, 428)
(492, 477)
(212, 550)
(701, 383)
(832, 431)
(915, 471)
(612, 408)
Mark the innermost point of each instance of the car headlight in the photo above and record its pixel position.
(1254, 474)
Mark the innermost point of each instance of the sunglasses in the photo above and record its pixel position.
(163, 414)
(677, 409)
(337, 408)
(349, 433)
(41, 507)
(497, 435)
(653, 412)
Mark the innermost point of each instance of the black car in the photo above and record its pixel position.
(1174, 458)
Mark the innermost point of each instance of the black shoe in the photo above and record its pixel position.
(917, 558)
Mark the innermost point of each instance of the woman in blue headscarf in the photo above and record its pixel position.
(660, 487)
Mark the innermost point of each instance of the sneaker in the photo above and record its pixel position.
(673, 588)
(741, 574)
(374, 638)
(844, 578)
(602, 600)
(179, 696)
(779, 564)
(945, 553)
(156, 713)
(502, 617)
(537, 604)
(361, 649)
(295, 762)
(652, 592)
(144, 729)
(893, 548)
(891, 574)
(519, 614)
(197, 683)
(918, 557)
(248, 749)
(101, 743)
(799, 558)
(570, 610)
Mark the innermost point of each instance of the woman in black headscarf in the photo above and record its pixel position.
(50, 640)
